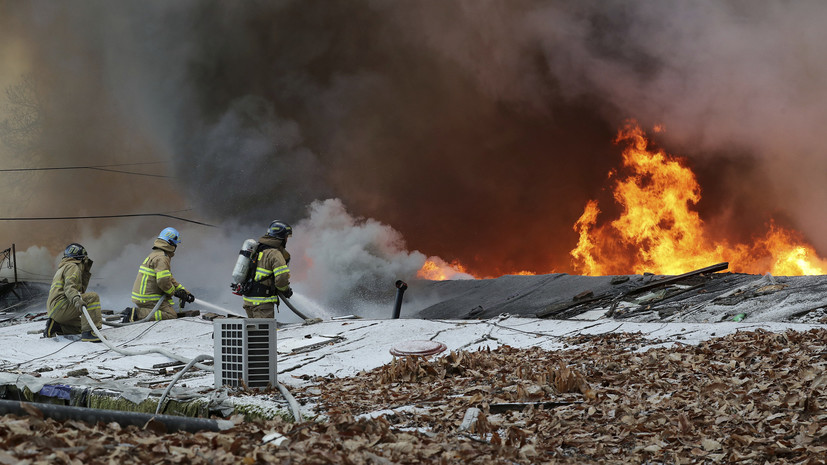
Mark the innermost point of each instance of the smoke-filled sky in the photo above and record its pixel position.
(470, 130)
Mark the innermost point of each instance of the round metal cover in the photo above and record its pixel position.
(417, 348)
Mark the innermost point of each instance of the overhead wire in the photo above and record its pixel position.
(93, 217)
(107, 168)
(92, 167)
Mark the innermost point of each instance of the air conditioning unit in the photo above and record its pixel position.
(245, 352)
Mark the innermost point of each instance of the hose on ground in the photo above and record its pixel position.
(148, 317)
(291, 401)
(178, 376)
(156, 350)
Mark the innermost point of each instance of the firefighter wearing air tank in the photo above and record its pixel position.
(68, 295)
(271, 272)
(155, 281)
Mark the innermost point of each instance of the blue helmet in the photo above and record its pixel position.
(74, 250)
(170, 235)
(279, 230)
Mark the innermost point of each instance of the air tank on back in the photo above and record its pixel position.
(242, 265)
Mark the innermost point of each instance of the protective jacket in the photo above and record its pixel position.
(154, 280)
(71, 279)
(271, 272)
(70, 282)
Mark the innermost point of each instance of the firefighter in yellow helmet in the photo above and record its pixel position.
(155, 282)
(68, 295)
(271, 274)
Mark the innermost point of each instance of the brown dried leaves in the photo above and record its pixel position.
(748, 397)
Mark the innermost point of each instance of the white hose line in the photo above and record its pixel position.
(146, 318)
(157, 350)
(291, 401)
(198, 358)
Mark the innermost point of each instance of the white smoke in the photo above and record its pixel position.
(349, 264)
(340, 264)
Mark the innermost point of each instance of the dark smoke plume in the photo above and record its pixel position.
(477, 129)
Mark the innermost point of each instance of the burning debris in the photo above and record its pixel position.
(657, 230)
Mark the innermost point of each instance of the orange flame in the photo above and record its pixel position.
(437, 269)
(657, 231)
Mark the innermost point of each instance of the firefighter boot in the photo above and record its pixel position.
(89, 336)
(52, 328)
(128, 315)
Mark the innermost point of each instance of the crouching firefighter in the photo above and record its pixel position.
(68, 295)
(155, 282)
(271, 273)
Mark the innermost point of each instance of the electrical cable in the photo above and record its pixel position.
(92, 167)
(131, 172)
(92, 217)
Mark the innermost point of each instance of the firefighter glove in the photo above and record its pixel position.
(190, 298)
(181, 294)
(77, 301)
(287, 292)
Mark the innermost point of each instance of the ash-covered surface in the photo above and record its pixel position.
(17, 300)
(553, 389)
(703, 297)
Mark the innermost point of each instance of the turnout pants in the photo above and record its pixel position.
(165, 312)
(72, 321)
(266, 310)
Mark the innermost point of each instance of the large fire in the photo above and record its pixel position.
(658, 232)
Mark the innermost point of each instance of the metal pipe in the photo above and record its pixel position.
(400, 290)
(92, 415)
(14, 257)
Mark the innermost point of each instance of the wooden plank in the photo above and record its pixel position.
(673, 279)
(560, 307)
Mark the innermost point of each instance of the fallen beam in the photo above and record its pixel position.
(672, 279)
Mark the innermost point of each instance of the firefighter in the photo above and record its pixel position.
(68, 295)
(155, 282)
(272, 274)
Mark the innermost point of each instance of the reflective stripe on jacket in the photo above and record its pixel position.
(271, 272)
(154, 279)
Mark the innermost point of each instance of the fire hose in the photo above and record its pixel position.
(148, 317)
(291, 401)
(156, 350)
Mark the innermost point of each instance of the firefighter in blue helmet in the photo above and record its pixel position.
(68, 296)
(271, 273)
(155, 282)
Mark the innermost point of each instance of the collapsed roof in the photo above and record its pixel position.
(704, 296)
